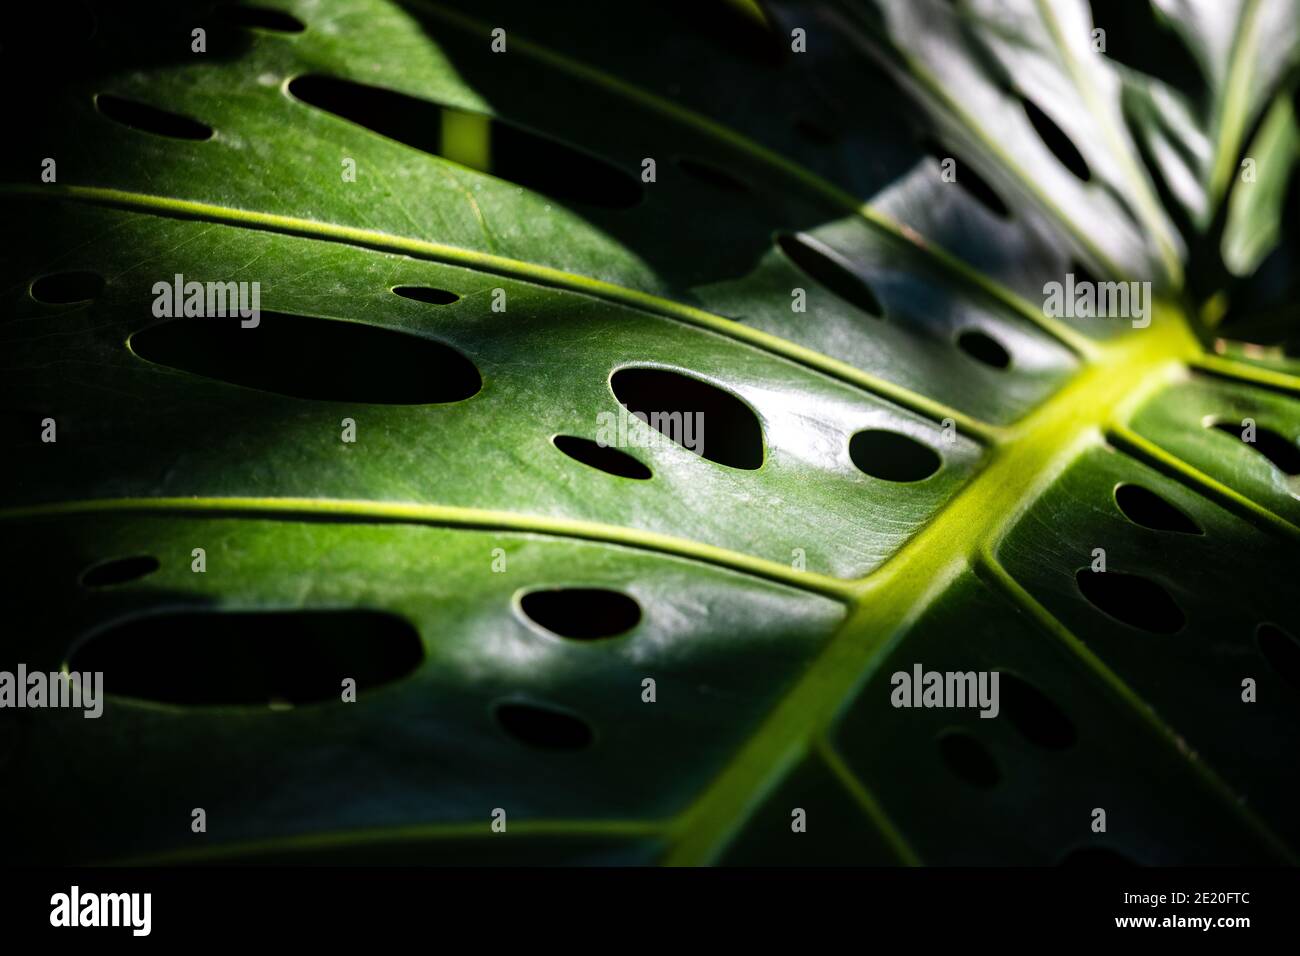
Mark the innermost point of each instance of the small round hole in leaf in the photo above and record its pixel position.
(699, 416)
(1054, 138)
(151, 119)
(544, 728)
(1131, 599)
(1034, 714)
(1149, 510)
(826, 266)
(1283, 453)
(966, 177)
(584, 614)
(602, 457)
(892, 456)
(984, 349)
(426, 294)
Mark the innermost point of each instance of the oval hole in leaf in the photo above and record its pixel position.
(261, 18)
(601, 457)
(979, 190)
(711, 175)
(968, 179)
(1056, 140)
(722, 428)
(1032, 713)
(892, 456)
(474, 140)
(119, 571)
(250, 658)
(544, 727)
(319, 359)
(984, 348)
(1284, 454)
(427, 294)
(1131, 599)
(64, 288)
(969, 759)
(1282, 651)
(151, 119)
(826, 266)
(584, 614)
(1149, 510)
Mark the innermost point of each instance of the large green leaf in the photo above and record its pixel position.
(915, 469)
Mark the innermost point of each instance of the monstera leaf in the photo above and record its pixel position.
(387, 570)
